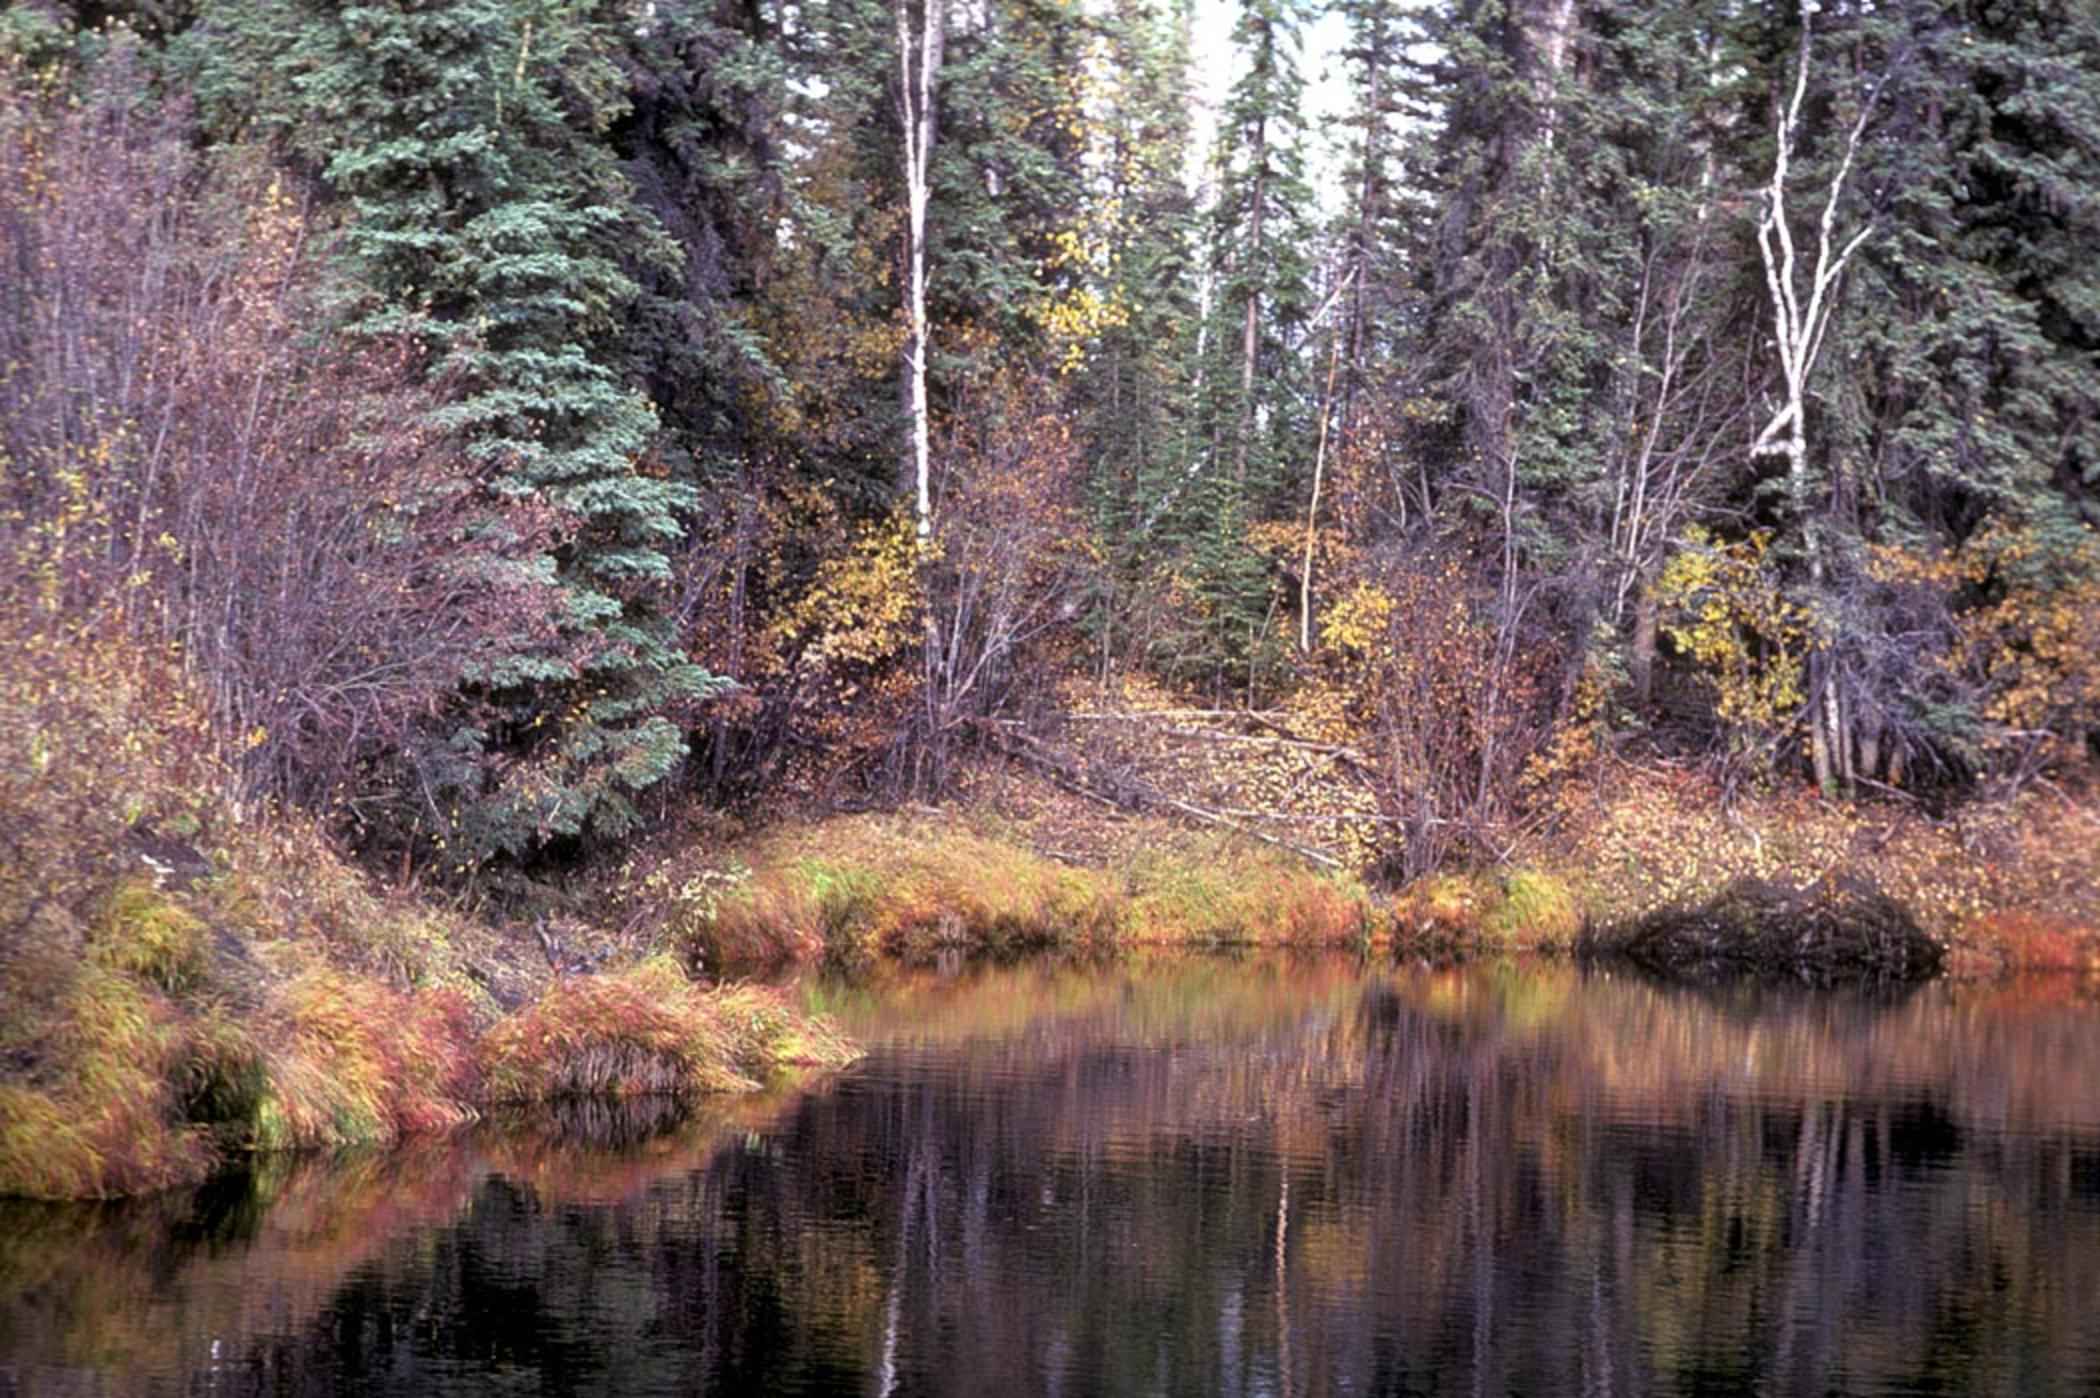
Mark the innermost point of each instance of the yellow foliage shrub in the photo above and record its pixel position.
(2035, 649)
(1727, 610)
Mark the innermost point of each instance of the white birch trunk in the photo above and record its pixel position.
(1798, 329)
(919, 64)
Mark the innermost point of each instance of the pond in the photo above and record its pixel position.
(1204, 1176)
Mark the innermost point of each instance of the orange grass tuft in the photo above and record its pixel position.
(1443, 912)
(913, 886)
(2036, 940)
(643, 1031)
(351, 1062)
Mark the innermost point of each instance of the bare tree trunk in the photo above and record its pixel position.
(916, 95)
(1646, 615)
(1549, 28)
(1367, 195)
(1798, 331)
(1312, 510)
(916, 110)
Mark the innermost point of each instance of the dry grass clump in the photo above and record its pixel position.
(1236, 894)
(146, 1032)
(350, 1061)
(148, 935)
(647, 1030)
(1537, 909)
(767, 917)
(116, 1075)
(105, 1116)
(851, 888)
(914, 885)
(1444, 912)
(766, 1032)
(1466, 911)
(958, 888)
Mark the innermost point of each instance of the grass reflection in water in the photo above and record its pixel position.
(1181, 1175)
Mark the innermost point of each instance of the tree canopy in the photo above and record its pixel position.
(818, 385)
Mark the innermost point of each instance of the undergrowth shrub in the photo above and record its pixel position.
(1454, 690)
(184, 465)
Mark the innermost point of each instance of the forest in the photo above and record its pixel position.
(516, 418)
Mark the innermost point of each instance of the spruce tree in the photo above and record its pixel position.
(489, 219)
(1961, 398)
(1252, 408)
(1132, 395)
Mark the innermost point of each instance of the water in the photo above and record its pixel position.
(1185, 1176)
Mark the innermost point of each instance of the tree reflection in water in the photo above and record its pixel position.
(1201, 1177)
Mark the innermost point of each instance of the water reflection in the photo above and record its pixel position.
(1291, 1177)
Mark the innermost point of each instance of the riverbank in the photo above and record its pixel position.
(185, 980)
(917, 882)
(1997, 886)
(275, 1002)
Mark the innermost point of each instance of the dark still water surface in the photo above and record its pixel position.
(1181, 1176)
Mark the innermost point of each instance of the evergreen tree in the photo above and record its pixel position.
(1133, 392)
(489, 217)
(1371, 230)
(1251, 406)
(702, 146)
(1262, 248)
(1962, 398)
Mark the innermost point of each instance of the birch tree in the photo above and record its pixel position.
(1804, 296)
(919, 67)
